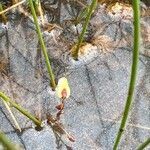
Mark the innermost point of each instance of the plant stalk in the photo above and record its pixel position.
(80, 40)
(20, 109)
(12, 116)
(51, 75)
(143, 145)
(6, 142)
(135, 57)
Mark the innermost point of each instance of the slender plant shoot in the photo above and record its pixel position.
(6, 142)
(20, 109)
(49, 68)
(80, 40)
(136, 11)
(143, 145)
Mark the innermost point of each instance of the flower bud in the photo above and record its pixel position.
(63, 89)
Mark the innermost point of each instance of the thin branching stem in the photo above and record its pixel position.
(51, 75)
(6, 142)
(80, 40)
(143, 145)
(20, 109)
(134, 69)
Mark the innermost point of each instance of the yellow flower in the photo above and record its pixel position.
(63, 89)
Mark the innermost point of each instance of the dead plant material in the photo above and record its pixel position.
(58, 127)
(4, 18)
(104, 43)
(12, 7)
(3, 65)
(49, 27)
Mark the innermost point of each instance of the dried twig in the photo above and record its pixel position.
(58, 127)
(12, 116)
(13, 6)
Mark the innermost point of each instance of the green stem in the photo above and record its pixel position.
(36, 6)
(51, 75)
(89, 13)
(6, 142)
(19, 108)
(143, 145)
(133, 77)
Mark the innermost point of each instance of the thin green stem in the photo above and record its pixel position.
(89, 13)
(134, 69)
(6, 142)
(36, 6)
(143, 145)
(51, 75)
(19, 108)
